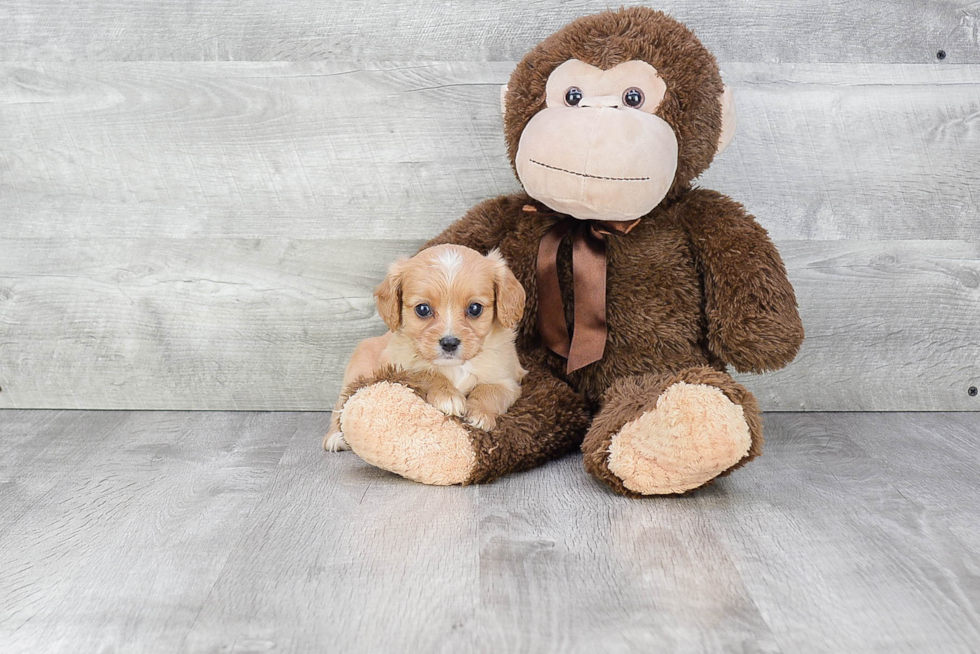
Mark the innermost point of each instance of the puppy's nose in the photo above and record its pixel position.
(449, 344)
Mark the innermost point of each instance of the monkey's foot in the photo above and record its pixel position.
(661, 434)
(390, 426)
(694, 434)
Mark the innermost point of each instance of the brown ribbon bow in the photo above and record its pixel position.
(588, 341)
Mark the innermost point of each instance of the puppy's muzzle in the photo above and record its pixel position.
(449, 344)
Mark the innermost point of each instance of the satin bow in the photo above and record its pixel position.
(588, 341)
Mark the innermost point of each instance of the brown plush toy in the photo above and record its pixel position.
(641, 290)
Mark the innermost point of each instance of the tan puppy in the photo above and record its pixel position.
(452, 313)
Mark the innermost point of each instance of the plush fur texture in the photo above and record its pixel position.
(697, 282)
(597, 160)
(691, 105)
(411, 437)
(695, 287)
(693, 434)
(633, 399)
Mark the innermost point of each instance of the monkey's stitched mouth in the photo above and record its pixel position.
(611, 179)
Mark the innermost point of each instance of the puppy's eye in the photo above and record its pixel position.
(573, 96)
(633, 98)
(423, 310)
(474, 310)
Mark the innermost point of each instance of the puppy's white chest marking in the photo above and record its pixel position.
(460, 376)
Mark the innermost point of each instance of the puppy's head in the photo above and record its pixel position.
(447, 299)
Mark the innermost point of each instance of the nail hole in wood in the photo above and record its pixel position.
(941, 55)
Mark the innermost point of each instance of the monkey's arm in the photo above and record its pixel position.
(483, 226)
(387, 423)
(753, 323)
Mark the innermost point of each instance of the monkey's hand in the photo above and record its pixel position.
(753, 322)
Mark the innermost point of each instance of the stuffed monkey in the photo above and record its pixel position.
(641, 290)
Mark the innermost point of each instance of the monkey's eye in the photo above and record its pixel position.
(573, 96)
(423, 310)
(633, 98)
(474, 310)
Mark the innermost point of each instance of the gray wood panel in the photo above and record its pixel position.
(183, 324)
(355, 150)
(835, 555)
(762, 30)
(655, 576)
(201, 532)
(36, 454)
(121, 550)
(930, 459)
(269, 323)
(890, 326)
(367, 562)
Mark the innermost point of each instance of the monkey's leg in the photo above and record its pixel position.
(672, 433)
(387, 423)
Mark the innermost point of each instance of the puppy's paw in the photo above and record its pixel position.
(335, 442)
(480, 419)
(452, 404)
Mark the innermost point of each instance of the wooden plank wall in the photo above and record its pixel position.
(196, 199)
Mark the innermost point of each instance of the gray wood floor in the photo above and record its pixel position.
(206, 532)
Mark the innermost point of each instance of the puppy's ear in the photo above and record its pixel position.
(509, 292)
(388, 295)
(728, 120)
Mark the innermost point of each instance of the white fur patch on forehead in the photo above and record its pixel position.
(451, 262)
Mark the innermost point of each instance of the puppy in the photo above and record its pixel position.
(452, 313)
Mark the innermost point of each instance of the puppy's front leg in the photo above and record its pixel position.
(334, 440)
(368, 356)
(444, 396)
(487, 401)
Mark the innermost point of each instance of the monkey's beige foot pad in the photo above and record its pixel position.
(693, 435)
(391, 427)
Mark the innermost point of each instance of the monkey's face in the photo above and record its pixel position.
(599, 150)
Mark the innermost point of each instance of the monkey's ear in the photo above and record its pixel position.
(503, 99)
(727, 119)
(388, 295)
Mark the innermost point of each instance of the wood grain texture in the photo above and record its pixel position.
(185, 324)
(346, 557)
(929, 459)
(351, 150)
(269, 323)
(121, 550)
(824, 530)
(656, 579)
(890, 326)
(201, 532)
(763, 30)
(36, 453)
